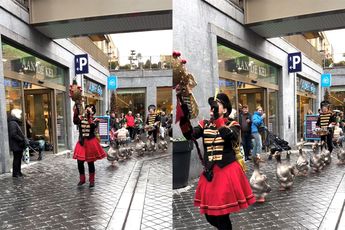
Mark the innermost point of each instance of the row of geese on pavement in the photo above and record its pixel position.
(286, 171)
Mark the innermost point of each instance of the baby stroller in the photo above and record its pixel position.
(275, 143)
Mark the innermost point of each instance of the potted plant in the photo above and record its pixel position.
(182, 149)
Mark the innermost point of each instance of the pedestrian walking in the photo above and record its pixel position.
(112, 119)
(139, 124)
(245, 120)
(122, 120)
(87, 148)
(130, 124)
(152, 122)
(257, 127)
(17, 140)
(326, 121)
(223, 187)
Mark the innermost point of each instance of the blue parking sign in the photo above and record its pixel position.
(81, 64)
(326, 80)
(112, 82)
(294, 62)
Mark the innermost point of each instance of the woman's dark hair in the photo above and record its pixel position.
(93, 108)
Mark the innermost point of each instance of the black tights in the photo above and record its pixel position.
(82, 169)
(220, 222)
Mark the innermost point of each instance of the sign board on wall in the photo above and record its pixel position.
(103, 127)
(326, 80)
(309, 127)
(81, 64)
(112, 82)
(294, 62)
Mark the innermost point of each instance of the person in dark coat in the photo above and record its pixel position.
(17, 140)
(245, 119)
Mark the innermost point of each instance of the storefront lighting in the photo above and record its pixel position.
(4, 60)
(219, 60)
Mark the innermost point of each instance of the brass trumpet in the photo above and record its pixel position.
(184, 83)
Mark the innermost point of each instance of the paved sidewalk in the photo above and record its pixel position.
(311, 199)
(48, 198)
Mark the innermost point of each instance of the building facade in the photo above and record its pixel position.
(337, 90)
(140, 88)
(224, 54)
(35, 74)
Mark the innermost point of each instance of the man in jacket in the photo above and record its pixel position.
(245, 120)
(327, 121)
(17, 140)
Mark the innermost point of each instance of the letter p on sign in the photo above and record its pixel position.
(81, 63)
(294, 62)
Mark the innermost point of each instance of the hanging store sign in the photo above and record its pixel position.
(112, 82)
(326, 80)
(81, 64)
(294, 62)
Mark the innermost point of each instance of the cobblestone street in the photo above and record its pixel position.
(134, 194)
(314, 202)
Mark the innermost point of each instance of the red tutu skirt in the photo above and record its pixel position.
(229, 191)
(90, 151)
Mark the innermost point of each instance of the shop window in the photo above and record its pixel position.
(13, 95)
(164, 99)
(273, 112)
(61, 120)
(131, 100)
(236, 64)
(228, 87)
(18, 63)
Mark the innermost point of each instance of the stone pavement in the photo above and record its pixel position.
(314, 201)
(138, 189)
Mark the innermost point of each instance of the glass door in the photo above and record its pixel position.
(38, 108)
(252, 97)
(304, 104)
(61, 132)
(273, 111)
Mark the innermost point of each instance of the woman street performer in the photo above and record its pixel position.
(87, 148)
(223, 187)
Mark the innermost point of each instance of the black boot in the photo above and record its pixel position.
(39, 156)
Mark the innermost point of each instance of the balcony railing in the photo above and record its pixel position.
(141, 63)
(87, 45)
(238, 3)
(24, 3)
(303, 45)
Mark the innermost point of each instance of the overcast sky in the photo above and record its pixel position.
(155, 43)
(337, 39)
(152, 43)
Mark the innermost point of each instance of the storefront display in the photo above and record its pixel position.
(164, 99)
(247, 80)
(94, 93)
(306, 96)
(30, 83)
(131, 100)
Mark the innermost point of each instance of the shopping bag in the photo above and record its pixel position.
(26, 155)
